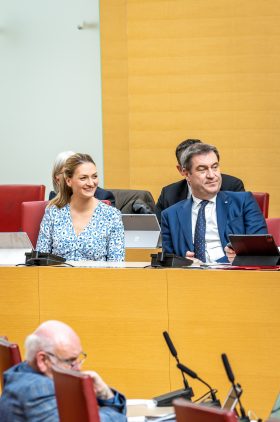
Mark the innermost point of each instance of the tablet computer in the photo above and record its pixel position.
(141, 230)
(254, 244)
(13, 247)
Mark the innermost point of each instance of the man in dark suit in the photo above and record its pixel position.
(175, 192)
(198, 227)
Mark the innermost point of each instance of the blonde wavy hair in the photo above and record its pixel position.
(65, 192)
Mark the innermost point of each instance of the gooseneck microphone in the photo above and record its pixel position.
(194, 375)
(173, 352)
(186, 393)
(232, 381)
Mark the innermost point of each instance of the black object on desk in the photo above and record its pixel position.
(43, 259)
(254, 250)
(169, 260)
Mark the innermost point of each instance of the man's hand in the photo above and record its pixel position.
(190, 255)
(101, 389)
(230, 253)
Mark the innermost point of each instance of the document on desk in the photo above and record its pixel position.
(146, 411)
(169, 417)
(108, 264)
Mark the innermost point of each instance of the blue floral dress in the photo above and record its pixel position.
(101, 240)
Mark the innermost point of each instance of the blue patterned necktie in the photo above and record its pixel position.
(199, 233)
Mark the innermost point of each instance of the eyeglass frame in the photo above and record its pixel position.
(71, 362)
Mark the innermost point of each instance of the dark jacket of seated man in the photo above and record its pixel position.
(176, 192)
(30, 396)
(237, 213)
(101, 194)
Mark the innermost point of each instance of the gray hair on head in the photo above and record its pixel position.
(34, 344)
(58, 166)
(196, 149)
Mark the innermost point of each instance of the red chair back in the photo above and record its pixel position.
(31, 217)
(11, 197)
(187, 411)
(75, 396)
(273, 227)
(262, 199)
(106, 201)
(9, 356)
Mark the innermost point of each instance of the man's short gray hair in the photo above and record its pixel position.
(35, 344)
(196, 149)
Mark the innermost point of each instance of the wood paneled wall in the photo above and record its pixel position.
(177, 69)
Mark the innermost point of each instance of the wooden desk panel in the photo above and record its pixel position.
(211, 312)
(120, 315)
(140, 254)
(19, 302)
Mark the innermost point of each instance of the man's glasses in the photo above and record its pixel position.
(72, 362)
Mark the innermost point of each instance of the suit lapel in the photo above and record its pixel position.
(184, 214)
(222, 207)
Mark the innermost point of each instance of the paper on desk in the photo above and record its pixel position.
(141, 402)
(108, 264)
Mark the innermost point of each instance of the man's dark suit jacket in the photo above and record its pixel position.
(100, 194)
(237, 213)
(178, 191)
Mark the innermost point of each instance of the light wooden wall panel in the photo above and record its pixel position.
(115, 92)
(199, 69)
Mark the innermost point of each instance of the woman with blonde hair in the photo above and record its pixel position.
(76, 225)
(57, 176)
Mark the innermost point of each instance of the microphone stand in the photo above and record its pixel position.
(214, 401)
(244, 417)
(186, 393)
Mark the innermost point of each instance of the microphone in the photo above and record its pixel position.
(186, 393)
(173, 352)
(194, 375)
(231, 380)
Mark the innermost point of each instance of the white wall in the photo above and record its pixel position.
(50, 80)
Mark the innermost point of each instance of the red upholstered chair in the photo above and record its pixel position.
(106, 201)
(75, 396)
(9, 356)
(11, 197)
(187, 411)
(262, 199)
(31, 217)
(273, 226)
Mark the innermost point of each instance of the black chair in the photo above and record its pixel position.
(130, 201)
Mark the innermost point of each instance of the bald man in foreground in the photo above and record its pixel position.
(29, 393)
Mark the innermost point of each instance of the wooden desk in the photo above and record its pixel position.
(120, 315)
(140, 254)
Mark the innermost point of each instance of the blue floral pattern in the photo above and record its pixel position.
(101, 240)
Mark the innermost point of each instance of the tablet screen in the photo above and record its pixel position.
(254, 244)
